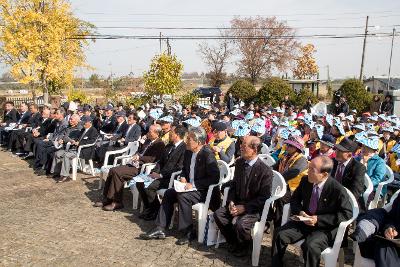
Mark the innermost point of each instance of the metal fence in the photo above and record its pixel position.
(18, 100)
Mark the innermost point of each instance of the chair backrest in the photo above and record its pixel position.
(368, 188)
(389, 179)
(267, 159)
(343, 225)
(224, 171)
(278, 187)
(132, 148)
(264, 149)
(388, 206)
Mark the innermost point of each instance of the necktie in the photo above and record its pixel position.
(339, 172)
(312, 208)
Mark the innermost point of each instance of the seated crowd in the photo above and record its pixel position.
(318, 155)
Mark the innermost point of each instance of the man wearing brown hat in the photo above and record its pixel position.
(348, 171)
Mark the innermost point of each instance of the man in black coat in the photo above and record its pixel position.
(45, 148)
(25, 141)
(33, 122)
(151, 151)
(200, 170)
(23, 118)
(325, 203)
(348, 171)
(248, 191)
(11, 115)
(171, 161)
(384, 245)
(88, 135)
(112, 139)
(109, 124)
(387, 106)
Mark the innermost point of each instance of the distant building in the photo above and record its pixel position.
(299, 84)
(379, 84)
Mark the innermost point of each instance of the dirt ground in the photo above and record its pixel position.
(49, 224)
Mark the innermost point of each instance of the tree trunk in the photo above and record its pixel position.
(45, 93)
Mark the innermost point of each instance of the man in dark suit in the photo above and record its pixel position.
(110, 122)
(348, 171)
(171, 161)
(200, 170)
(113, 138)
(88, 135)
(10, 116)
(150, 151)
(25, 141)
(325, 203)
(23, 118)
(33, 122)
(250, 187)
(44, 149)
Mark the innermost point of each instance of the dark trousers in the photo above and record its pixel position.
(13, 137)
(384, 253)
(149, 194)
(3, 135)
(117, 176)
(30, 141)
(44, 152)
(185, 202)
(238, 232)
(20, 139)
(278, 205)
(315, 242)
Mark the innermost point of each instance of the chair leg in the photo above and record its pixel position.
(100, 180)
(135, 198)
(341, 257)
(91, 167)
(74, 168)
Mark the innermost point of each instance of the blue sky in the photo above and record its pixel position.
(342, 55)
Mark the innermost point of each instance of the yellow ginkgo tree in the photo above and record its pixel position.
(164, 75)
(42, 42)
(306, 66)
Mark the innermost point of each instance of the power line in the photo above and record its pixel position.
(235, 28)
(232, 15)
(215, 37)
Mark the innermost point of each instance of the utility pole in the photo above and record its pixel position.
(390, 60)
(111, 76)
(160, 43)
(168, 47)
(363, 52)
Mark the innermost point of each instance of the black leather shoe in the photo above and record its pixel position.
(187, 239)
(156, 233)
(242, 250)
(145, 213)
(150, 217)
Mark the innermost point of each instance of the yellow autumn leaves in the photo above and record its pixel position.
(164, 76)
(38, 41)
(306, 66)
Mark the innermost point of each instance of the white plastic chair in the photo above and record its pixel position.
(278, 190)
(125, 152)
(369, 187)
(331, 254)
(146, 169)
(202, 208)
(360, 261)
(377, 197)
(267, 159)
(265, 149)
(81, 162)
(174, 175)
